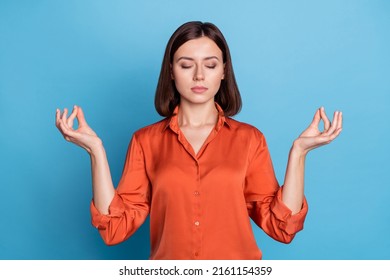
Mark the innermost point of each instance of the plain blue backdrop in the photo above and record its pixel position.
(290, 57)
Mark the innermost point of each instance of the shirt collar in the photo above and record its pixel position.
(172, 122)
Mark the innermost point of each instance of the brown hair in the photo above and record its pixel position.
(167, 97)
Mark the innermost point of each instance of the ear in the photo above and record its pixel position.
(172, 77)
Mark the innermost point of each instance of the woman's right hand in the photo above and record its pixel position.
(83, 136)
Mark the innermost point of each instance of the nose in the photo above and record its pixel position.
(198, 75)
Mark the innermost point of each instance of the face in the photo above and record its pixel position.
(197, 70)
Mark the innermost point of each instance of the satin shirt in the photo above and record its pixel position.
(200, 205)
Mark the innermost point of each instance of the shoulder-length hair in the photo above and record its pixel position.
(167, 97)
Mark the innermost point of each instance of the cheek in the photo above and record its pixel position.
(217, 77)
(179, 78)
(217, 73)
(180, 81)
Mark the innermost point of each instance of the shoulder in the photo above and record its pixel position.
(249, 135)
(244, 128)
(151, 130)
(147, 134)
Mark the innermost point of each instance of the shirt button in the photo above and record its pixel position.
(197, 223)
(196, 254)
(196, 193)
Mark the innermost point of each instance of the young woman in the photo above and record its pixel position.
(200, 174)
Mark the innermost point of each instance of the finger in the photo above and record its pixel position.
(337, 122)
(57, 117)
(80, 117)
(63, 123)
(322, 139)
(71, 117)
(64, 115)
(334, 124)
(316, 119)
(340, 122)
(333, 136)
(325, 119)
(66, 132)
(337, 133)
(338, 126)
(61, 127)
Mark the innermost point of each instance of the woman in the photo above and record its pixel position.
(199, 174)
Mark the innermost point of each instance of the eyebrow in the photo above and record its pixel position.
(191, 59)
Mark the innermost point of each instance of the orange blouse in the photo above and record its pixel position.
(199, 205)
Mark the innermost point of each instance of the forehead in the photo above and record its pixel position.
(198, 48)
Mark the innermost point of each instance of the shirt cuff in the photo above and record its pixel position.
(289, 223)
(116, 209)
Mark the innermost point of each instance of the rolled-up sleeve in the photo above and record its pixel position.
(264, 196)
(130, 205)
(289, 223)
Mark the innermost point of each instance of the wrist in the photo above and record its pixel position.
(297, 150)
(96, 147)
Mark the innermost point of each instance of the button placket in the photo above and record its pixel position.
(197, 207)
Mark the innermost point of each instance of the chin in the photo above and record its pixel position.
(199, 99)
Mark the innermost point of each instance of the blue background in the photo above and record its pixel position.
(290, 57)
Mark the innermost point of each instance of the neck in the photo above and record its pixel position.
(197, 115)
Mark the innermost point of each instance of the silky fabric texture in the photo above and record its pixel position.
(200, 205)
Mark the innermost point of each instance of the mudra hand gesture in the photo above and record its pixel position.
(313, 138)
(83, 136)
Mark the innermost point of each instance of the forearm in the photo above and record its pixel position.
(293, 189)
(102, 186)
(310, 139)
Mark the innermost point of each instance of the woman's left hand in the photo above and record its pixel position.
(313, 138)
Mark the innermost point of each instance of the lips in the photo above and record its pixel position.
(199, 89)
